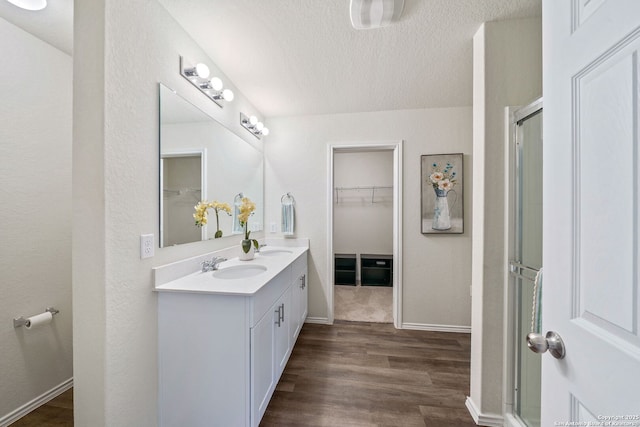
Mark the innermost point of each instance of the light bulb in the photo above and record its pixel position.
(202, 71)
(253, 120)
(30, 4)
(227, 94)
(216, 84)
(265, 131)
(259, 126)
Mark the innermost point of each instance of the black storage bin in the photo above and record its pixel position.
(376, 270)
(345, 269)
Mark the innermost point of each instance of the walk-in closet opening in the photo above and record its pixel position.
(364, 212)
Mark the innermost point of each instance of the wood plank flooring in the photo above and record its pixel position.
(371, 374)
(58, 412)
(352, 374)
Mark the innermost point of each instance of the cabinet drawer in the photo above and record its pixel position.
(299, 266)
(268, 295)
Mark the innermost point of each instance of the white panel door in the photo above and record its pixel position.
(591, 211)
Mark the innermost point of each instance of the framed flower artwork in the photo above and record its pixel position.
(441, 201)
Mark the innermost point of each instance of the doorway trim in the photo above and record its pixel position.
(396, 148)
(185, 152)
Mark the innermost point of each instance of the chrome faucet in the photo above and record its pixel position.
(213, 264)
(260, 247)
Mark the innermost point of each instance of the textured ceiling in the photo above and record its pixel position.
(295, 57)
(292, 57)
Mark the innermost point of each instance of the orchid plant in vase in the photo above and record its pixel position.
(246, 210)
(202, 208)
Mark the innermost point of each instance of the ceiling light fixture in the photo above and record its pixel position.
(254, 126)
(366, 14)
(29, 4)
(198, 75)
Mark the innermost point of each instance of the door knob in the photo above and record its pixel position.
(552, 342)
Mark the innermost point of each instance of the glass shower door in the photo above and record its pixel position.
(529, 257)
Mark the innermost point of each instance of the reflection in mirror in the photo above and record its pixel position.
(182, 186)
(202, 160)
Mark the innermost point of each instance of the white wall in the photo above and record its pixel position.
(437, 269)
(35, 215)
(122, 50)
(363, 220)
(507, 72)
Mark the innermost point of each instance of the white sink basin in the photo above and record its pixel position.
(274, 252)
(239, 271)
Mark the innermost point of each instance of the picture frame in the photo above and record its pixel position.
(442, 193)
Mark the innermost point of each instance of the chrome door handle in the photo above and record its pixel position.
(552, 342)
(279, 312)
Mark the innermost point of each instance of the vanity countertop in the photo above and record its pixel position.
(207, 283)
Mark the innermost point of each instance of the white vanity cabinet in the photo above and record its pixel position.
(270, 350)
(221, 355)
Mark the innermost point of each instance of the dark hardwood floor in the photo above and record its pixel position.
(58, 412)
(371, 374)
(352, 374)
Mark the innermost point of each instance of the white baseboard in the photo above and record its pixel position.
(511, 421)
(489, 420)
(318, 320)
(14, 416)
(437, 328)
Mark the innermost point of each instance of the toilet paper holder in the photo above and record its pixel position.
(21, 321)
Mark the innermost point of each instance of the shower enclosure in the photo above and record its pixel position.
(525, 262)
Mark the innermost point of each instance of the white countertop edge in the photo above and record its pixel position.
(186, 275)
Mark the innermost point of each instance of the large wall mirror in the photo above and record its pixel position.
(200, 159)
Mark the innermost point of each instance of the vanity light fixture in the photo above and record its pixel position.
(199, 71)
(198, 75)
(254, 126)
(29, 4)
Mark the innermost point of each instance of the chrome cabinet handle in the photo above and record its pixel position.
(282, 314)
(277, 322)
(303, 281)
(552, 342)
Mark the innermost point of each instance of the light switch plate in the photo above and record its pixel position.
(274, 227)
(146, 246)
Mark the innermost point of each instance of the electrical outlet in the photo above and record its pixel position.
(146, 246)
(274, 227)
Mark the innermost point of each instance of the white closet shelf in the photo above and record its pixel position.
(372, 188)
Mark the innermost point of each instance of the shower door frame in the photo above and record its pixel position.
(396, 148)
(513, 115)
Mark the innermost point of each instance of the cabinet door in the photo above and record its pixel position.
(294, 327)
(303, 297)
(298, 305)
(263, 379)
(282, 347)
